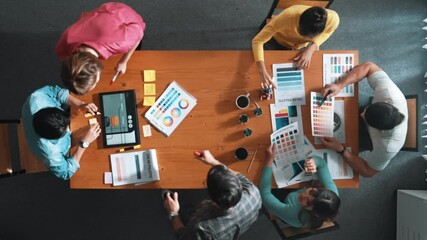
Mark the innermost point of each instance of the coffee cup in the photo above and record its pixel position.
(243, 101)
(241, 153)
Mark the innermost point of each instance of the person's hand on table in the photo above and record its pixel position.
(89, 107)
(208, 158)
(121, 68)
(266, 80)
(330, 90)
(92, 133)
(310, 166)
(270, 152)
(303, 58)
(331, 143)
(171, 204)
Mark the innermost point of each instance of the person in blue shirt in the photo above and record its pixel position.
(307, 207)
(46, 120)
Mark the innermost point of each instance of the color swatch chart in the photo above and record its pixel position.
(336, 67)
(322, 117)
(288, 141)
(170, 109)
(283, 116)
(290, 85)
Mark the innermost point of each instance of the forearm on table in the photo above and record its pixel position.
(358, 73)
(78, 153)
(261, 67)
(74, 102)
(359, 165)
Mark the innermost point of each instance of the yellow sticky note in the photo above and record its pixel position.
(149, 89)
(149, 101)
(149, 75)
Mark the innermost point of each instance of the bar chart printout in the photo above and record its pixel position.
(336, 67)
(322, 117)
(290, 85)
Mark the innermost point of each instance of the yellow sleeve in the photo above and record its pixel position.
(331, 24)
(258, 42)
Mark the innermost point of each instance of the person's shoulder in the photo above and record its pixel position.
(332, 15)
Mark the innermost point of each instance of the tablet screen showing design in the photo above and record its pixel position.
(119, 118)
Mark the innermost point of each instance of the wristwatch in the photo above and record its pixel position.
(343, 150)
(83, 144)
(172, 215)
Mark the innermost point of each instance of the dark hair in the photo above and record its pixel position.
(383, 116)
(312, 21)
(326, 204)
(224, 188)
(79, 72)
(51, 123)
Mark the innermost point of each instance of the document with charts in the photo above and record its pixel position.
(170, 109)
(284, 115)
(290, 85)
(338, 168)
(134, 167)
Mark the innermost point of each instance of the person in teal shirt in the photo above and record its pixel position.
(46, 120)
(307, 207)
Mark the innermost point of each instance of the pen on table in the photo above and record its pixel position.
(88, 114)
(114, 77)
(252, 161)
(324, 98)
(129, 148)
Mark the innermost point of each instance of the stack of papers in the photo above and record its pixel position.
(134, 167)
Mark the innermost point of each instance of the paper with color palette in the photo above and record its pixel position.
(170, 109)
(322, 117)
(288, 171)
(290, 85)
(336, 67)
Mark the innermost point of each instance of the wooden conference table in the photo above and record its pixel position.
(215, 78)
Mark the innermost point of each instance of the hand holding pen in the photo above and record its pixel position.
(206, 157)
(330, 90)
(310, 166)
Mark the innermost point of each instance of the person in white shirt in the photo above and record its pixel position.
(386, 119)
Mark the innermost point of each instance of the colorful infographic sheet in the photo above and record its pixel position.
(335, 67)
(322, 117)
(170, 109)
(290, 85)
(283, 116)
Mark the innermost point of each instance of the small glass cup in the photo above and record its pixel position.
(243, 118)
(258, 111)
(247, 132)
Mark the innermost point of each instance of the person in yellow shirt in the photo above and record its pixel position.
(297, 27)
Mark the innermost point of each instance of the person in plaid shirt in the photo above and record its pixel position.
(232, 208)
